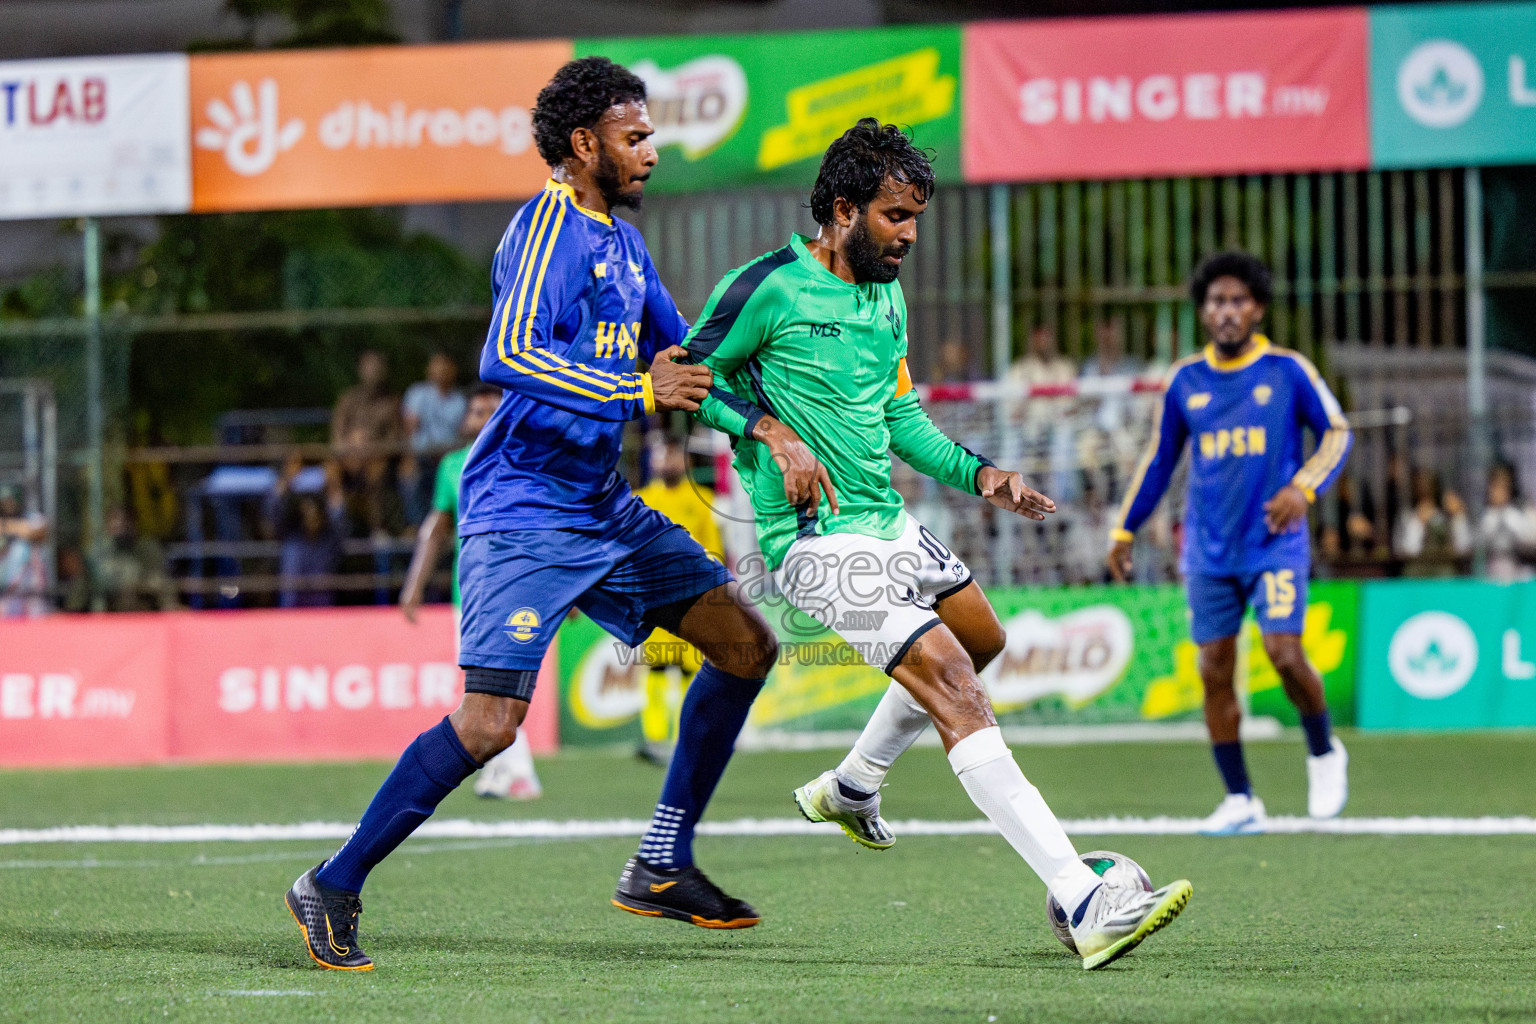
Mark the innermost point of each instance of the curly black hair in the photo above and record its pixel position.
(578, 96)
(856, 166)
(1244, 266)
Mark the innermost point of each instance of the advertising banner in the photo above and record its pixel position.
(1447, 654)
(83, 690)
(761, 109)
(1165, 95)
(1453, 84)
(281, 685)
(1075, 656)
(94, 135)
(418, 124)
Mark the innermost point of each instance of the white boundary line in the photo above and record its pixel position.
(460, 828)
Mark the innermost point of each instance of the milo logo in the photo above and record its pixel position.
(696, 105)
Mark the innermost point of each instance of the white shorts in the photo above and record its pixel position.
(876, 594)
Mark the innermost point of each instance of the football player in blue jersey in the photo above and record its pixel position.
(1244, 404)
(548, 524)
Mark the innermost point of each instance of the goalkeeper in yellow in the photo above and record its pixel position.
(812, 339)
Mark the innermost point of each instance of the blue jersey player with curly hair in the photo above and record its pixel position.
(548, 524)
(1243, 406)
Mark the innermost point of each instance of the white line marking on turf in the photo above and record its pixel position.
(263, 992)
(460, 828)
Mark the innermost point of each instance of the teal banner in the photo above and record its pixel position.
(1447, 654)
(1453, 85)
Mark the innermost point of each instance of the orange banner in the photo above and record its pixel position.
(377, 125)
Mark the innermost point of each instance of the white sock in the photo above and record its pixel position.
(517, 759)
(896, 724)
(987, 770)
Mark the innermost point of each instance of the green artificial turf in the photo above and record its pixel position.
(1281, 928)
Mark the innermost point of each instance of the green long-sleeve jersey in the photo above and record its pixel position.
(787, 337)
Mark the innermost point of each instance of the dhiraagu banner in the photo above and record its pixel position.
(761, 109)
(1078, 656)
(1453, 84)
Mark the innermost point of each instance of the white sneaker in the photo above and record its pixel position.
(821, 800)
(1118, 917)
(1328, 782)
(506, 782)
(1238, 814)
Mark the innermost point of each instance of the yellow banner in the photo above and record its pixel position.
(903, 90)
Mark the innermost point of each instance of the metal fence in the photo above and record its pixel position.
(1364, 262)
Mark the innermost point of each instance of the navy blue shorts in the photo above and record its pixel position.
(1217, 603)
(519, 584)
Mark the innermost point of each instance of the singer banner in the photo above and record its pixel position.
(1165, 95)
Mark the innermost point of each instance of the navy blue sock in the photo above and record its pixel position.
(1229, 761)
(713, 713)
(1319, 733)
(431, 768)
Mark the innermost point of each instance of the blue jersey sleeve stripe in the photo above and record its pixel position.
(530, 260)
(511, 292)
(557, 357)
(1330, 452)
(1333, 445)
(558, 382)
(575, 371)
(538, 282)
(1153, 444)
(518, 287)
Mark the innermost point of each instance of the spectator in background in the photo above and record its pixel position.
(23, 571)
(1110, 449)
(1433, 533)
(130, 570)
(1506, 529)
(367, 411)
(311, 528)
(954, 364)
(1042, 366)
(1347, 535)
(1047, 425)
(372, 505)
(431, 413)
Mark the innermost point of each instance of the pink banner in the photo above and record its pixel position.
(233, 686)
(1165, 96)
(83, 690)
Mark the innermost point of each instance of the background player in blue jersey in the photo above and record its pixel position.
(1244, 403)
(547, 522)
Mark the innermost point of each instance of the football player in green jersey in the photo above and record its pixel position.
(811, 340)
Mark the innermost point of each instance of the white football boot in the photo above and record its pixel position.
(822, 800)
(1118, 917)
(510, 776)
(1239, 814)
(1328, 782)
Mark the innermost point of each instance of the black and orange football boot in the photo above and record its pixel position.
(328, 919)
(683, 894)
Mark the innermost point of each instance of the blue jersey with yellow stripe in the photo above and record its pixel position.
(1246, 419)
(577, 301)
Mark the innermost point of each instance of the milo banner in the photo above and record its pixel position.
(1448, 654)
(1453, 84)
(761, 109)
(1075, 656)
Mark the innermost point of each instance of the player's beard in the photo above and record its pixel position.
(867, 259)
(609, 182)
